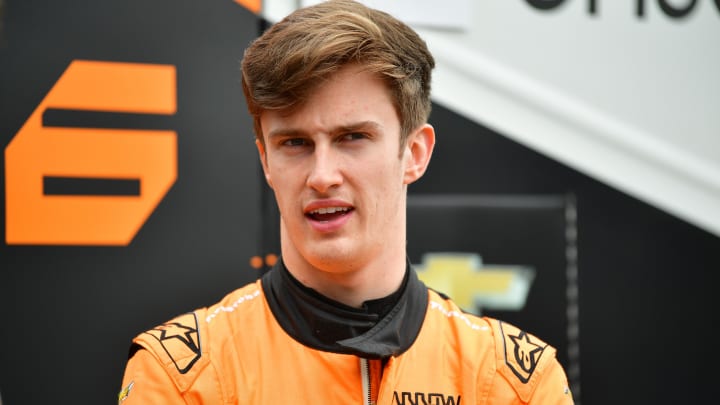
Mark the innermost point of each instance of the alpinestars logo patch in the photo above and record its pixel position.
(181, 340)
(522, 351)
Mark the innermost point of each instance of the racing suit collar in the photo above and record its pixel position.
(323, 324)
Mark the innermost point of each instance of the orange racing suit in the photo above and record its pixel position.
(275, 342)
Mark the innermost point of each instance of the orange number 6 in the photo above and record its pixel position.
(37, 151)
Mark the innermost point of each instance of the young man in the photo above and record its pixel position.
(340, 96)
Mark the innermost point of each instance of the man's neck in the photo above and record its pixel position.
(348, 285)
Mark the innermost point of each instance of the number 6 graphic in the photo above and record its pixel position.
(38, 151)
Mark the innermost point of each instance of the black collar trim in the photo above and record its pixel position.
(323, 324)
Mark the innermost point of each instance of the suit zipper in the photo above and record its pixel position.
(366, 381)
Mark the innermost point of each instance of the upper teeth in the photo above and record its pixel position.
(329, 210)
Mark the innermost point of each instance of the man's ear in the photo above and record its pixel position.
(418, 151)
(263, 160)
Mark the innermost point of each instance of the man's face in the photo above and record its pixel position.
(339, 174)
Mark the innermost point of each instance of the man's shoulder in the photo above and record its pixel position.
(183, 344)
(520, 358)
(185, 327)
(506, 336)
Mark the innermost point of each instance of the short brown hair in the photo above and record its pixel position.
(286, 63)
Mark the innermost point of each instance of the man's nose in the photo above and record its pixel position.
(326, 171)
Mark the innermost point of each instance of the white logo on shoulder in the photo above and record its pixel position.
(220, 308)
(457, 314)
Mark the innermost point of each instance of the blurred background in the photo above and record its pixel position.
(577, 161)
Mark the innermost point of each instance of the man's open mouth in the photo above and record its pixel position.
(328, 213)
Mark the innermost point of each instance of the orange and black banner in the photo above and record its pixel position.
(130, 189)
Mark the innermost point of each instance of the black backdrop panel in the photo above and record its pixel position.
(68, 312)
(505, 231)
(645, 278)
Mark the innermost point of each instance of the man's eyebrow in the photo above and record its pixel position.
(286, 132)
(357, 126)
(340, 129)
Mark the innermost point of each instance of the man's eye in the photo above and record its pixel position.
(294, 142)
(354, 136)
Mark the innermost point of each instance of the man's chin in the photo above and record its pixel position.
(333, 257)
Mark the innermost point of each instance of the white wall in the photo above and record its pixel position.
(630, 100)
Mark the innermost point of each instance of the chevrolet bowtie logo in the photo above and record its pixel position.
(473, 286)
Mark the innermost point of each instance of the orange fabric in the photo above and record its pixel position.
(146, 378)
(236, 353)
